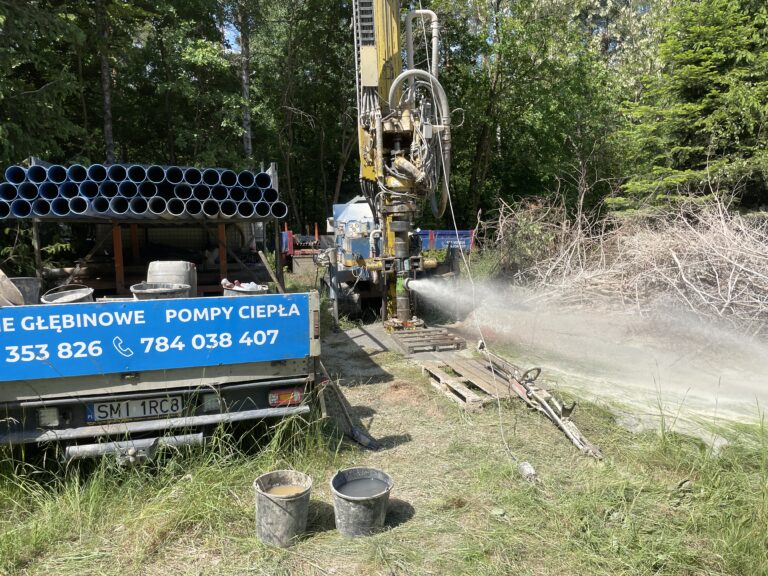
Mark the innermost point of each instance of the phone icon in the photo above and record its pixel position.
(117, 342)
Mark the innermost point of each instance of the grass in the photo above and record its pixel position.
(659, 503)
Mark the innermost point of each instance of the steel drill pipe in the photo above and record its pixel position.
(8, 192)
(136, 174)
(254, 195)
(237, 194)
(194, 208)
(211, 177)
(228, 209)
(175, 207)
(88, 189)
(27, 191)
(156, 206)
(37, 174)
(118, 206)
(79, 206)
(245, 209)
(77, 173)
(138, 207)
(182, 191)
(5, 210)
(219, 193)
(56, 174)
(155, 174)
(270, 195)
(48, 190)
(201, 192)
(15, 174)
(246, 179)
(21, 208)
(193, 176)
(279, 210)
(174, 175)
(261, 209)
(166, 190)
(263, 180)
(60, 207)
(228, 178)
(100, 205)
(68, 190)
(97, 173)
(108, 189)
(41, 207)
(147, 190)
(211, 208)
(127, 189)
(117, 173)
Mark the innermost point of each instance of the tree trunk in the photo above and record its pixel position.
(169, 131)
(245, 80)
(344, 156)
(102, 27)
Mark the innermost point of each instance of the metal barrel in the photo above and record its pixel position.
(127, 189)
(201, 192)
(147, 190)
(182, 191)
(228, 209)
(57, 173)
(279, 210)
(88, 189)
(119, 206)
(48, 190)
(228, 178)
(97, 173)
(263, 180)
(155, 174)
(211, 208)
(68, 190)
(108, 189)
(60, 206)
(254, 194)
(245, 209)
(15, 174)
(136, 174)
(100, 205)
(37, 174)
(193, 176)
(219, 193)
(156, 206)
(117, 173)
(174, 175)
(78, 206)
(8, 192)
(21, 208)
(77, 173)
(175, 207)
(246, 179)
(27, 191)
(138, 206)
(5, 209)
(41, 207)
(261, 209)
(237, 194)
(194, 208)
(211, 177)
(271, 195)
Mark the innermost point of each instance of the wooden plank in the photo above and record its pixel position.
(453, 387)
(481, 378)
(222, 229)
(117, 246)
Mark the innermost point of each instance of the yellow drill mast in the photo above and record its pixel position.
(404, 142)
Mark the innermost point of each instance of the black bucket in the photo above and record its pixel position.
(360, 499)
(282, 506)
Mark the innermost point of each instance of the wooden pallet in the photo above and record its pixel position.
(427, 340)
(471, 384)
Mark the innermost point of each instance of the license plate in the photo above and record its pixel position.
(133, 409)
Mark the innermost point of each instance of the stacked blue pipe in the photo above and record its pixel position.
(137, 192)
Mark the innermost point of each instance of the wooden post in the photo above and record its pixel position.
(134, 230)
(278, 259)
(222, 250)
(36, 248)
(117, 246)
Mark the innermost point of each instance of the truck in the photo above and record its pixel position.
(127, 377)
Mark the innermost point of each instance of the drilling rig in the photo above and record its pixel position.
(404, 138)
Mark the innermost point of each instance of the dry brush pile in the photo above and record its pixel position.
(707, 257)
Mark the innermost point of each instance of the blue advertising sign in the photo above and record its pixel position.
(101, 338)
